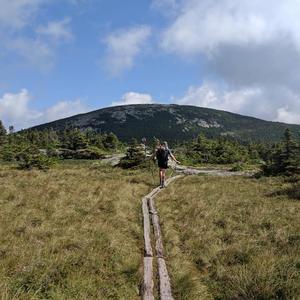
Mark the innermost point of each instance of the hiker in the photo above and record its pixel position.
(162, 153)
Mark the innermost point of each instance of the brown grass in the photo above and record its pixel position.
(228, 238)
(71, 233)
(75, 232)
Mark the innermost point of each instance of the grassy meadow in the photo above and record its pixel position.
(75, 232)
(231, 238)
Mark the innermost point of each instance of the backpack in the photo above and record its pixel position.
(162, 155)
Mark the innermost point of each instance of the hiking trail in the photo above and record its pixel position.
(150, 212)
(150, 217)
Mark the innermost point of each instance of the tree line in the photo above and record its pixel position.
(33, 148)
(281, 158)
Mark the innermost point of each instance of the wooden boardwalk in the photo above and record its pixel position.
(150, 217)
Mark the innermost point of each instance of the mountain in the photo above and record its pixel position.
(173, 123)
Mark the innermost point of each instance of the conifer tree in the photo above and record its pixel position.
(284, 158)
(135, 156)
(74, 139)
(111, 141)
(289, 154)
(2, 134)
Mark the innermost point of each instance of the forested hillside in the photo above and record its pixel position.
(173, 123)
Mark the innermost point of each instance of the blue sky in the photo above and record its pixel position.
(60, 58)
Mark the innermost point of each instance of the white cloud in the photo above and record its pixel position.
(246, 101)
(15, 14)
(212, 96)
(64, 109)
(123, 47)
(166, 7)
(20, 36)
(134, 98)
(57, 30)
(35, 52)
(287, 116)
(15, 110)
(203, 26)
(252, 47)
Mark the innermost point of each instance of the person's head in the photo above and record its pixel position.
(165, 145)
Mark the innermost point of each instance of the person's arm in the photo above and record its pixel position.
(174, 158)
(154, 158)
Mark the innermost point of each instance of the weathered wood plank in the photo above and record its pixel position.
(146, 219)
(164, 281)
(157, 232)
(170, 180)
(154, 192)
(147, 289)
(152, 209)
(148, 205)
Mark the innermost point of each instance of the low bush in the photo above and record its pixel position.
(135, 157)
(238, 167)
(31, 157)
(87, 153)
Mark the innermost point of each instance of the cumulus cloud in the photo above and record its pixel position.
(134, 98)
(249, 46)
(123, 46)
(287, 116)
(57, 30)
(203, 26)
(64, 109)
(247, 101)
(15, 14)
(15, 110)
(20, 36)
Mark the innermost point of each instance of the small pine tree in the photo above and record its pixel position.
(2, 133)
(74, 139)
(135, 156)
(289, 155)
(31, 157)
(284, 158)
(11, 129)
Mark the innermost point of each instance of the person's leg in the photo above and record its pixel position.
(163, 177)
(160, 176)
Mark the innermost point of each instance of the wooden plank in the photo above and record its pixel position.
(170, 180)
(152, 209)
(147, 288)
(157, 232)
(164, 281)
(154, 192)
(157, 190)
(146, 219)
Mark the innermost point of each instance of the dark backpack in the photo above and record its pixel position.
(162, 155)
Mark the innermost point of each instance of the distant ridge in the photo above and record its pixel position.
(173, 123)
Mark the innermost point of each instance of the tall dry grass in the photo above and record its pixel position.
(73, 232)
(231, 238)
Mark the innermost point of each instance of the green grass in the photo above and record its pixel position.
(73, 232)
(231, 238)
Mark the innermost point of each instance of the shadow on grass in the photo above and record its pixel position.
(292, 192)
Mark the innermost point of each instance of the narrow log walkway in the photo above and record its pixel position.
(149, 210)
(150, 216)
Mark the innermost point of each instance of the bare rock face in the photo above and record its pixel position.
(173, 123)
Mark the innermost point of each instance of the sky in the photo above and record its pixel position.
(63, 57)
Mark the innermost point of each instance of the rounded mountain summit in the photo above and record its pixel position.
(173, 123)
